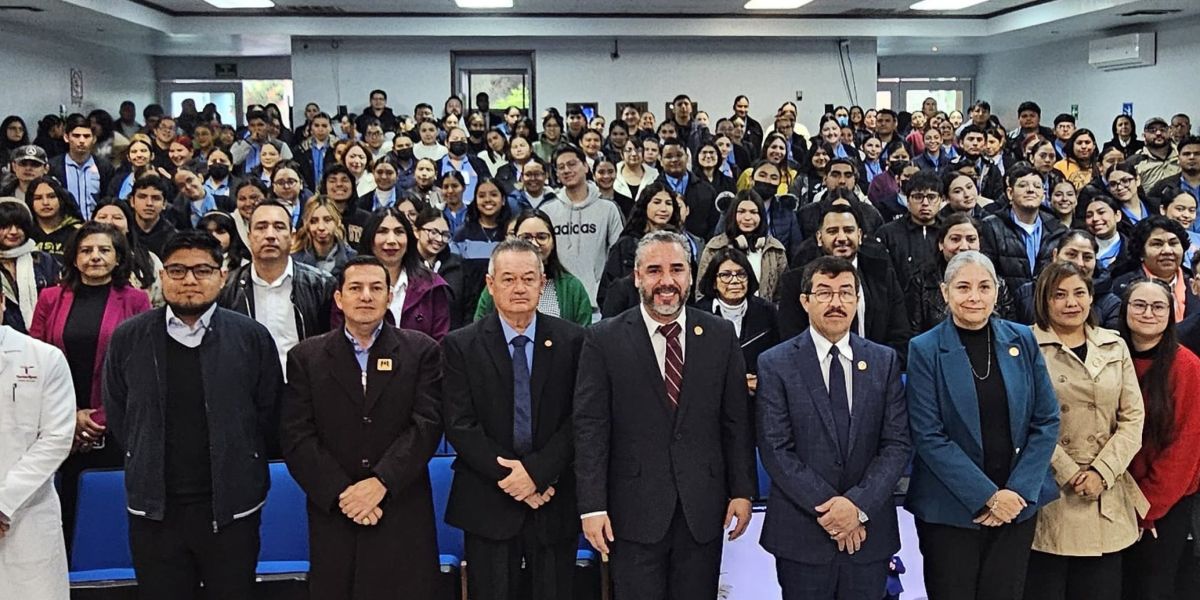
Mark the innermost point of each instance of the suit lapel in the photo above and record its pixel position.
(644, 355)
(384, 352)
(819, 394)
(1014, 380)
(497, 351)
(344, 366)
(863, 379)
(543, 363)
(693, 355)
(960, 383)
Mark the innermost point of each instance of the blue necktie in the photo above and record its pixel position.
(838, 400)
(522, 399)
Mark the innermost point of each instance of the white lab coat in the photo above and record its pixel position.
(37, 424)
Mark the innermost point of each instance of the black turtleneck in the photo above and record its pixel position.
(994, 425)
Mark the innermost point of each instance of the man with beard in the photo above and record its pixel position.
(1159, 160)
(1189, 173)
(192, 391)
(699, 195)
(880, 315)
(663, 438)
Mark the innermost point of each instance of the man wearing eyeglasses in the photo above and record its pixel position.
(911, 240)
(191, 391)
(1159, 160)
(293, 300)
(831, 522)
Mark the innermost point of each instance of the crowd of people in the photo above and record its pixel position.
(608, 321)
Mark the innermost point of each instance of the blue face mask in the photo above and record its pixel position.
(843, 121)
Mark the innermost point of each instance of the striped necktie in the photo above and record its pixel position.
(673, 371)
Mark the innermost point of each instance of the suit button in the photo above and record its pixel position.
(366, 464)
(678, 436)
(1091, 438)
(1065, 441)
(1066, 408)
(1062, 378)
(366, 420)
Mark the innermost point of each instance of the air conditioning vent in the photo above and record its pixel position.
(1123, 52)
(1152, 12)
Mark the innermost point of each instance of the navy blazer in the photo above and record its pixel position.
(948, 485)
(799, 448)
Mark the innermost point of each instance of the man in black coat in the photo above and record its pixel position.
(84, 175)
(510, 422)
(663, 436)
(361, 419)
(881, 315)
(699, 196)
(911, 241)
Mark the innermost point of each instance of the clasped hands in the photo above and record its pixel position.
(1087, 483)
(1002, 508)
(839, 518)
(520, 485)
(360, 502)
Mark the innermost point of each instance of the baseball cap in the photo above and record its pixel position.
(29, 152)
(1152, 121)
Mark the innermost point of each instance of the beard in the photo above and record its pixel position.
(664, 310)
(190, 309)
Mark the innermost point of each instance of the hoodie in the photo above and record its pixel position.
(583, 233)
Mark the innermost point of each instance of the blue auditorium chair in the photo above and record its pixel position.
(284, 533)
(100, 554)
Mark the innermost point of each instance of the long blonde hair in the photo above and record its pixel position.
(301, 240)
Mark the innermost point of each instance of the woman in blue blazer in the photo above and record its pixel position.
(984, 422)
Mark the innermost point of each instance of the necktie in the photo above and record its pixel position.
(673, 369)
(838, 400)
(522, 399)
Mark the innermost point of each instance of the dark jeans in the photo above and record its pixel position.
(171, 558)
(1054, 577)
(674, 568)
(988, 563)
(1152, 565)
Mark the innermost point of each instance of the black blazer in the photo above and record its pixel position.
(303, 156)
(478, 408)
(760, 329)
(887, 321)
(636, 457)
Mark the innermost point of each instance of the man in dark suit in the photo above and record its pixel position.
(361, 418)
(84, 175)
(315, 154)
(880, 314)
(663, 439)
(508, 394)
(833, 436)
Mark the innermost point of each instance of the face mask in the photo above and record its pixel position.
(476, 134)
(218, 171)
(404, 154)
(458, 148)
(843, 121)
(765, 190)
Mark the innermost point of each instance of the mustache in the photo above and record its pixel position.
(665, 288)
(835, 312)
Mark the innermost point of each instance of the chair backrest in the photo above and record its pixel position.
(284, 531)
(450, 539)
(101, 539)
(764, 480)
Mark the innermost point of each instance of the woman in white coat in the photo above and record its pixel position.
(37, 422)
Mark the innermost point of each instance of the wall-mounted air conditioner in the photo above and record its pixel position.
(1122, 52)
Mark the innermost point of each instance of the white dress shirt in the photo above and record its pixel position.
(273, 308)
(846, 357)
(189, 335)
(399, 292)
(861, 314)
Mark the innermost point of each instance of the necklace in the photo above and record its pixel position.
(988, 372)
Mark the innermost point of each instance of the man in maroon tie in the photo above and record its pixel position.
(663, 436)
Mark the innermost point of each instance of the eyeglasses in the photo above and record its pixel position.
(165, 127)
(1121, 183)
(929, 198)
(436, 233)
(536, 238)
(826, 296)
(287, 183)
(200, 272)
(1158, 309)
(732, 276)
(568, 165)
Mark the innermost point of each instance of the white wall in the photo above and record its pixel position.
(1057, 75)
(248, 67)
(35, 75)
(711, 71)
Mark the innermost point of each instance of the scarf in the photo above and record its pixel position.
(25, 293)
(732, 313)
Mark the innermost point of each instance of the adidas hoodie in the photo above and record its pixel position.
(583, 234)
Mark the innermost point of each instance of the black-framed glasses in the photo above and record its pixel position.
(436, 233)
(827, 296)
(536, 238)
(732, 276)
(928, 198)
(200, 272)
(1158, 309)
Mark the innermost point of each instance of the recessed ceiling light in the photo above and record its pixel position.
(945, 4)
(241, 3)
(484, 3)
(934, 49)
(775, 4)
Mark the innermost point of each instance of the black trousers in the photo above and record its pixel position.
(494, 567)
(1054, 577)
(1152, 565)
(108, 457)
(988, 563)
(676, 567)
(838, 580)
(173, 557)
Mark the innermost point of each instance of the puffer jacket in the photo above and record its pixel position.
(1002, 241)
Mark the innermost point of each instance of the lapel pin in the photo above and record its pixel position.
(698, 330)
(1014, 351)
(862, 365)
(549, 343)
(383, 364)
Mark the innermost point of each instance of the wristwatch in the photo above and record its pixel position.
(862, 516)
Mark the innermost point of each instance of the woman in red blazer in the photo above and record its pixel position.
(79, 316)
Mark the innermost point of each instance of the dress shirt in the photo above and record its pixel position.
(83, 181)
(659, 341)
(362, 353)
(822, 347)
(189, 335)
(530, 332)
(273, 308)
(399, 292)
(1032, 237)
(860, 314)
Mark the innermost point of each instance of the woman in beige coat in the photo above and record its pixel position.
(1077, 544)
(746, 229)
